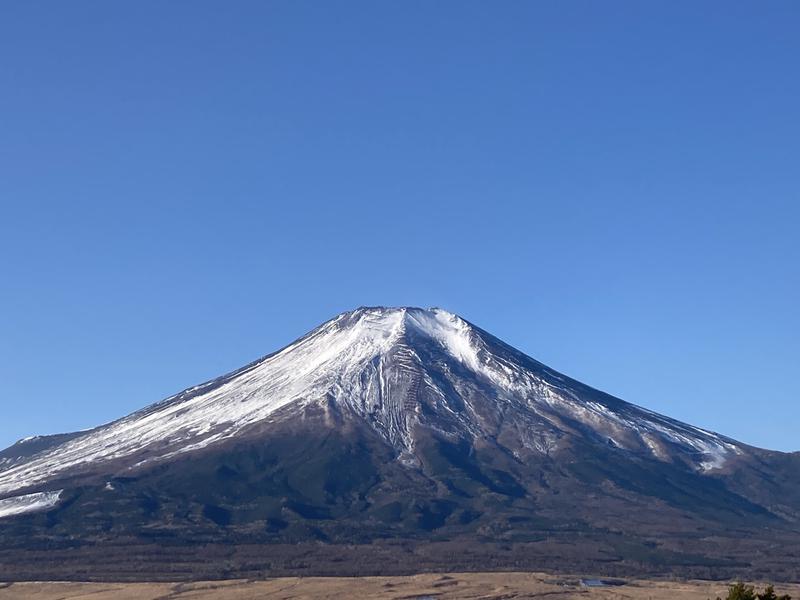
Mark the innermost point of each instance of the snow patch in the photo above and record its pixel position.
(449, 330)
(28, 503)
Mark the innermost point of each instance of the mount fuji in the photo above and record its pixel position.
(395, 440)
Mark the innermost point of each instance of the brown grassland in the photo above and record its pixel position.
(487, 586)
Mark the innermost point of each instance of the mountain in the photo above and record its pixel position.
(395, 440)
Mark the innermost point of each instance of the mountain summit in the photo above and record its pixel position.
(393, 423)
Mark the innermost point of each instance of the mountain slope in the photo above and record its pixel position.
(394, 368)
(409, 425)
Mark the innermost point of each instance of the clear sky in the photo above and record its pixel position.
(612, 187)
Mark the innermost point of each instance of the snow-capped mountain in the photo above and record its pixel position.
(376, 403)
(396, 368)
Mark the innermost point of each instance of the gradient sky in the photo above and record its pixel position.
(612, 187)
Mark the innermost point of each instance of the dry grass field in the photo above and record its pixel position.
(486, 586)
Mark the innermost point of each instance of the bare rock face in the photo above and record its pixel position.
(406, 427)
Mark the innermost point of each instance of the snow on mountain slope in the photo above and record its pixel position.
(398, 369)
(28, 503)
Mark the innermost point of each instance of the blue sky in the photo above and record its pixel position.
(611, 187)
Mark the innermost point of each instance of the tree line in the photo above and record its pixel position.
(740, 591)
